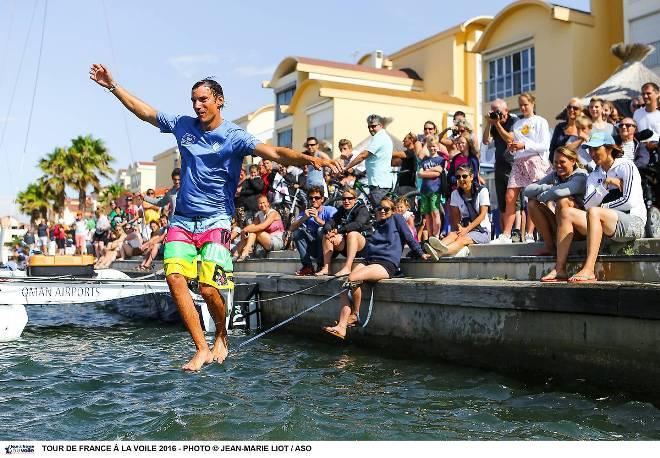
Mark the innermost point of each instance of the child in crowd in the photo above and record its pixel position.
(403, 209)
(430, 170)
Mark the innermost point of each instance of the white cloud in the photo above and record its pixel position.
(9, 119)
(191, 64)
(251, 70)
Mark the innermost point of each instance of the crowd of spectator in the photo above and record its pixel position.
(582, 180)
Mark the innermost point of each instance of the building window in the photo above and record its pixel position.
(323, 133)
(283, 98)
(653, 59)
(285, 138)
(511, 75)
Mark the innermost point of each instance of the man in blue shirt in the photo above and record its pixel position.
(212, 151)
(378, 160)
(307, 233)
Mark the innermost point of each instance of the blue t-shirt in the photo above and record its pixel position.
(325, 213)
(430, 185)
(379, 161)
(210, 164)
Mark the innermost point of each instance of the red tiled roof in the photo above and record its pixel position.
(353, 67)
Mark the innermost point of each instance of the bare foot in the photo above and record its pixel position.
(201, 357)
(321, 272)
(220, 349)
(337, 331)
(343, 272)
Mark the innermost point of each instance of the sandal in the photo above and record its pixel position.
(553, 278)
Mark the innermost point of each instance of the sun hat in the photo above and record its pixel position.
(599, 138)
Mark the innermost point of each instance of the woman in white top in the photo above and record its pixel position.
(469, 217)
(529, 142)
(614, 207)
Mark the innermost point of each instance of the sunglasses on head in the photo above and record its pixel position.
(384, 208)
(465, 176)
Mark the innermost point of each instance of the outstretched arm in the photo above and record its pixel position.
(142, 110)
(286, 156)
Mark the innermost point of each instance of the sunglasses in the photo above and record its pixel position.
(348, 198)
(629, 126)
(384, 209)
(316, 197)
(373, 126)
(465, 176)
(312, 144)
(429, 128)
(573, 107)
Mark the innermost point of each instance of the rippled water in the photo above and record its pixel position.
(81, 373)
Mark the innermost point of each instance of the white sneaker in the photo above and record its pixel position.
(438, 246)
(428, 249)
(463, 253)
(503, 239)
(529, 238)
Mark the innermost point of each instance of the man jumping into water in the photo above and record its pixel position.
(212, 151)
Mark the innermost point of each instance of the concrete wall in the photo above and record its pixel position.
(608, 335)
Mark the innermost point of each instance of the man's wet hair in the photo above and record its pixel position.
(375, 119)
(213, 85)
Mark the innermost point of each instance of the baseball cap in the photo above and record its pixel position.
(599, 139)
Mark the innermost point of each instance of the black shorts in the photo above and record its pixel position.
(390, 267)
(61, 243)
(102, 237)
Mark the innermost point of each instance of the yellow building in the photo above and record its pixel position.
(552, 51)
(259, 123)
(165, 162)
(330, 100)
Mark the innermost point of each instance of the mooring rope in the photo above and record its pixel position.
(293, 293)
(288, 320)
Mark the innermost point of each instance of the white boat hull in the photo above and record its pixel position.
(136, 298)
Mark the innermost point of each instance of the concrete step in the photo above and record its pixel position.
(641, 246)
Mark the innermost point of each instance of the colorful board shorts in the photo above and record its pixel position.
(206, 237)
(429, 202)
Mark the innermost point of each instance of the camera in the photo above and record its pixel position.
(495, 114)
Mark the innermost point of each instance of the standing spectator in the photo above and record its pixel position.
(378, 159)
(59, 233)
(80, 234)
(407, 161)
(431, 133)
(43, 233)
(346, 232)
(151, 211)
(29, 239)
(430, 171)
(347, 154)
(633, 149)
(251, 190)
(469, 217)
(648, 117)
(267, 230)
(564, 186)
(169, 199)
(596, 115)
(307, 231)
(498, 128)
(315, 177)
(101, 233)
(566, 131)
(529, 145)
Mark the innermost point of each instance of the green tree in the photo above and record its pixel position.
(89, 161)
(57, 167)
(111, 192)
(34, 201)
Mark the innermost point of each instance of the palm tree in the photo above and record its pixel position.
(57, 167)
(111, 192)
(34, 201)
(89, 161)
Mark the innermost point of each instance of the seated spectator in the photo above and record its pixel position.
(566, 131)
(469, 217)
(633, 149)
(132, 243)
(117, 215)
(346, 232)
(430, 171)
(564, 186)
(382, 260)
(154, 246)
(307, 231)
(250, 190)
(614, 203)
(112, 249)
(403, 209)
(267, 230)
(596, 115)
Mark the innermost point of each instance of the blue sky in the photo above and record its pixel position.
(158, 49)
